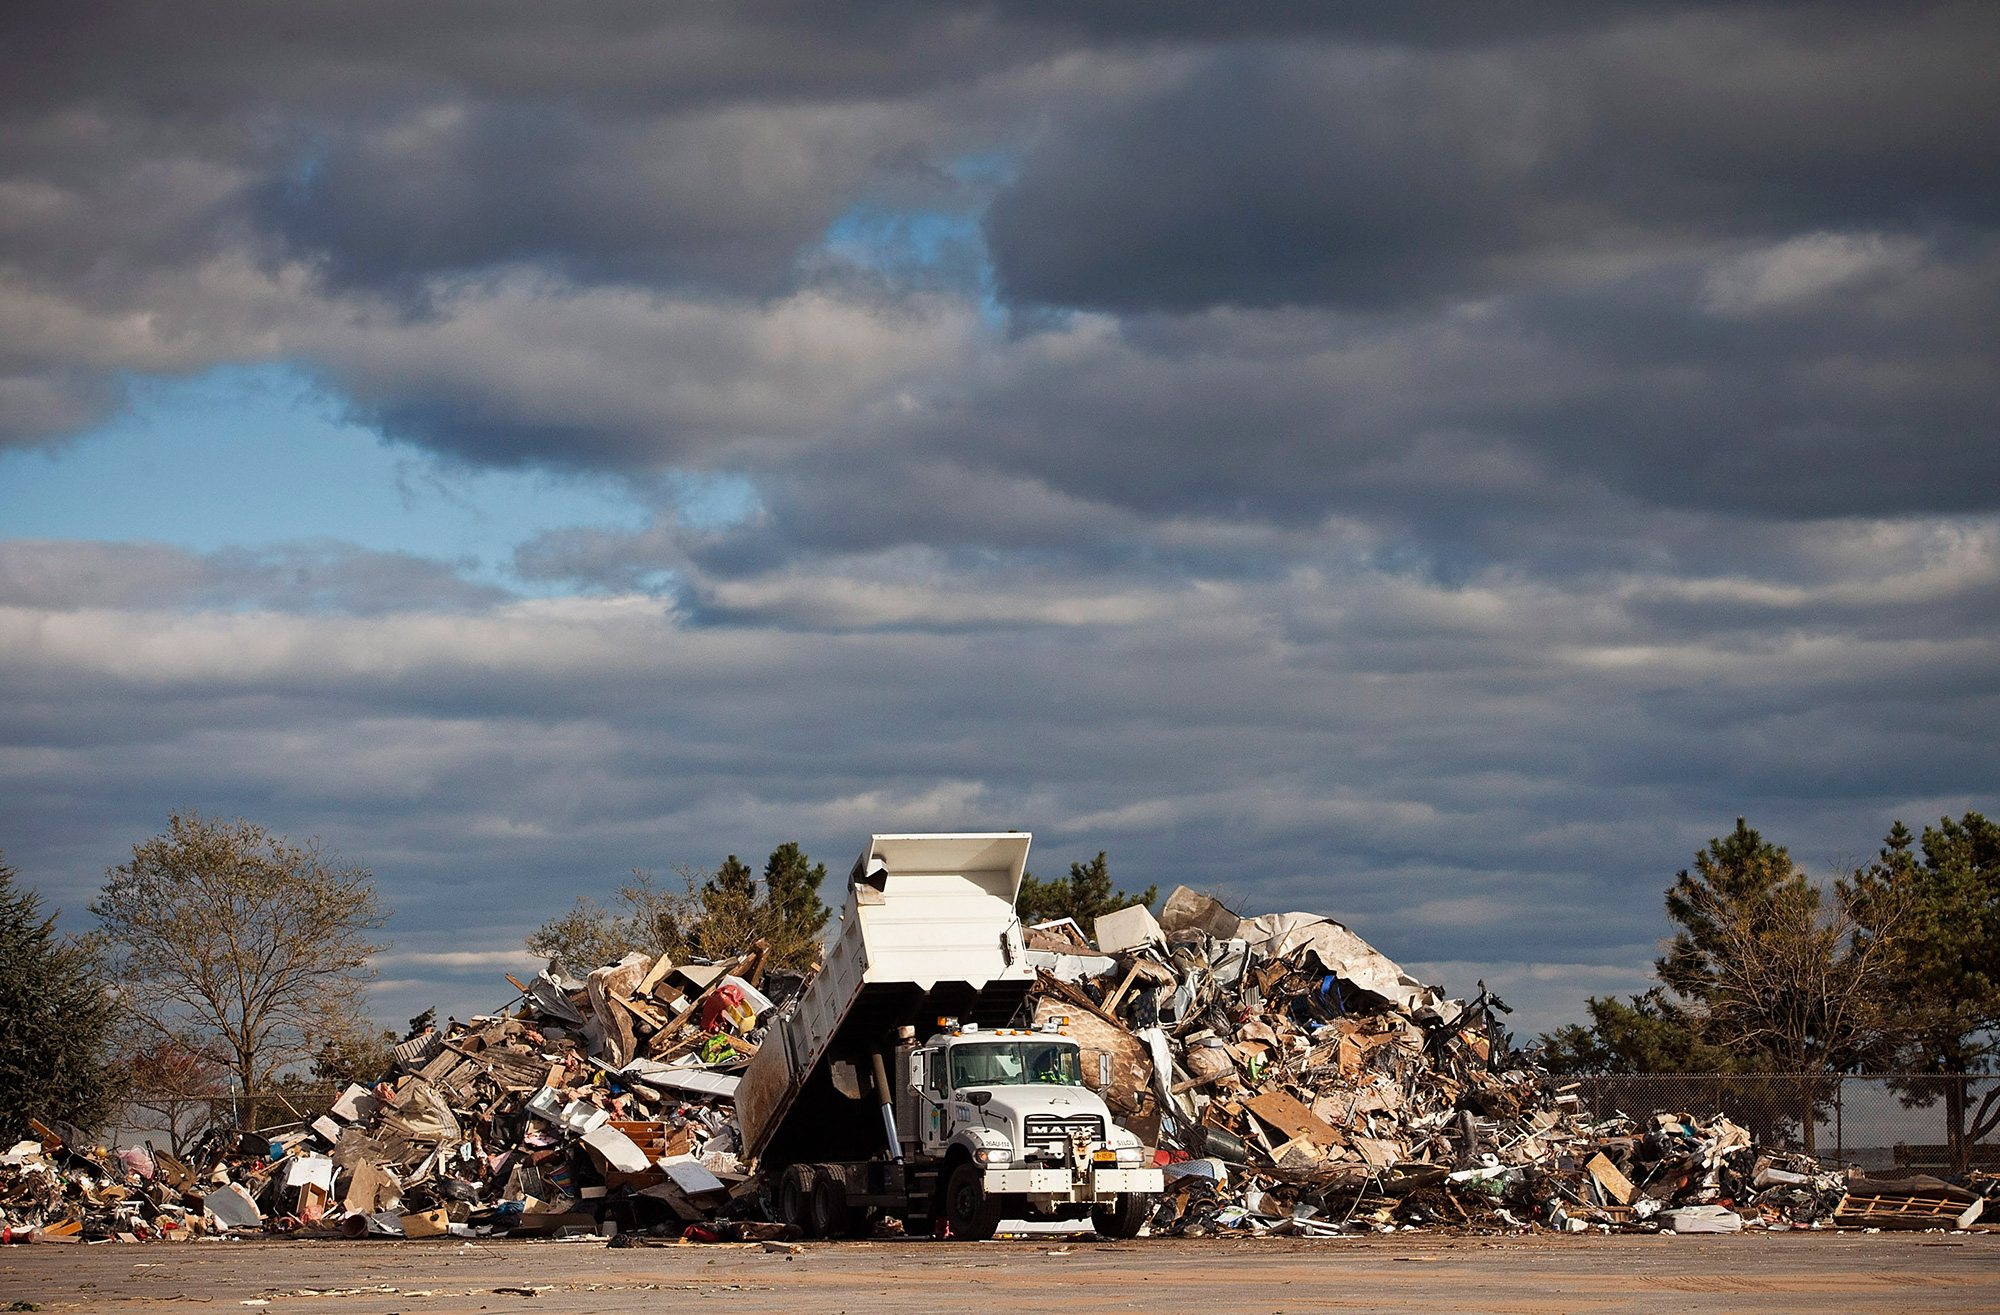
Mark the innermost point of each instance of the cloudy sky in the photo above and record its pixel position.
(1434, 464)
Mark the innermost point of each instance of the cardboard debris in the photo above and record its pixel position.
(1615, 1184)
(1283, 1112)
(1127, 929)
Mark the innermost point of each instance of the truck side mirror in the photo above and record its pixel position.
(1104, 1068)
(917, 1070)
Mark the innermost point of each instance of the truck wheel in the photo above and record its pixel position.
(1122, 1217)
(829, 1204)
(974, 1214)
(795, 1193)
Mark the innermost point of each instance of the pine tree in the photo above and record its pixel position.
(1763, 974)
(734, 879)
(791, 886)
(721, 913)
(1735, 880)
(1653, 1033)
(1943, 983)
(1086, 894)
(56, 1021)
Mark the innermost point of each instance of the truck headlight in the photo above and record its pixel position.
(1131, 1155)
(994, 1157)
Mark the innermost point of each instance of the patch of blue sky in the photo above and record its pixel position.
(935, 245)
(712, 500)
(256, 455)
(893, 240)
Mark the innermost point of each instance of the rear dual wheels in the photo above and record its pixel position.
(832, 1216)
(795, 1197)
(813, 1197)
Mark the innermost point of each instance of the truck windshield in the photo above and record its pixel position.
(1005, 1063)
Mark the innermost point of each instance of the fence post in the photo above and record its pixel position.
(1961, 1154)
(1839, 1122)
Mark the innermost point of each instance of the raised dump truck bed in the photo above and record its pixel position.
(928, 931)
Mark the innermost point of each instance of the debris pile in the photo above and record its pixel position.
(56, 1187)
(1299, 1082)
(592, 1106)
(1294, 1081)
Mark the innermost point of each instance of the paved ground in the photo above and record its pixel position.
(1821, 1273)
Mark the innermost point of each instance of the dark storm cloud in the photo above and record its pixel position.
(222, 55)
(1824, 376)
(728, 199)
(1287, 174)
(206, 55)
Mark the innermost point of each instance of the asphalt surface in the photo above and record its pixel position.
(1817, 1272)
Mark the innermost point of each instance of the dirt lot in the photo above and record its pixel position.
(1799, 1272)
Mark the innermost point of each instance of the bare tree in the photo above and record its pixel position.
(591, 935)
(232, 939)
(178, 1082)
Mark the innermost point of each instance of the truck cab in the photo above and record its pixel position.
(1007, 1111)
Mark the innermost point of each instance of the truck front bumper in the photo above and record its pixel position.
(1066, 1185)
(1113, 1182)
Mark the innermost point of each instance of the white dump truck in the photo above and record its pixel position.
(894, 1086)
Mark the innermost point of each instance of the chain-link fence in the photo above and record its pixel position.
(1940, 1123)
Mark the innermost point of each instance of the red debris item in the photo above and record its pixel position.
(729, 993)
(697, 1233)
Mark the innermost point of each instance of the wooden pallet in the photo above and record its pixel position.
(1905, 1210)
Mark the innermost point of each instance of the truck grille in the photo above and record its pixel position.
(1045, 1132)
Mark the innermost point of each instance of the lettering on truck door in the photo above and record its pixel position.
(931, 1100)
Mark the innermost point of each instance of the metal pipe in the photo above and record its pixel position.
(888, 1105)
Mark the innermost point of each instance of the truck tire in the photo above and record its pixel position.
(1123, 1217)
(829, 1205)
(795, 1195)
(973, 1213)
